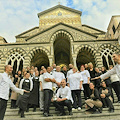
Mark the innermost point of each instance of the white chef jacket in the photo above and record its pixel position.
(64, 93)
(41, 78)
(74, 81)
(47, 85)
(114, 78)
(6, 84)
(59, 76)
(85, 74)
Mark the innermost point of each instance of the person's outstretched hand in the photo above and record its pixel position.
(26, 91)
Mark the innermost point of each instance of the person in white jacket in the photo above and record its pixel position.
(5, 85)
(114, 70)
(75, 83)
(64, 98)
(115, 82)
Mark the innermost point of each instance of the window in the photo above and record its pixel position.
(106, 55)
(59, 14)
(16, 60)
(113, 28)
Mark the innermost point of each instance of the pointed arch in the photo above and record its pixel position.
(106, 51)
(85, 54)
(61, 40)
(63, 33)
(14, 58)
(39, 58)
(35, 49)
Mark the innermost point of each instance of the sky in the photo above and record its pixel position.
(17, 16)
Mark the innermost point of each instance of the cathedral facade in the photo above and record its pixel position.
(60, 38)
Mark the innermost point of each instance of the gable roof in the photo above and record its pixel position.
(64, 25)
(114, 16)
(26, 32)
(3, 39)
(94, 28)
(59, 6)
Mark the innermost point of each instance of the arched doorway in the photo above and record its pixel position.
(39, 59)
(85, 56)
(62, 53)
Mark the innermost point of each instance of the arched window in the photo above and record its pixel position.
(106, 55)
(16, 60)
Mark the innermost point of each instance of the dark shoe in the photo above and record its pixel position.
(111, 110)
(62, 114)
(104, 106)
(96, 112)
(94, 109)
(100, 110)
(50, 115)
(34, 110)
(88, 110)
(56, 109)
(70, 113)
(11, 107)
(45, 114)
(22, 115)
(41, 109)
(19, 111)
(27, 110)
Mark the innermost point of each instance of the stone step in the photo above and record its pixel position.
(9, 102)
(12, 114)
(106, 116)
(116, 106)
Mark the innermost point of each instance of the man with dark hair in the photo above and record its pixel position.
(70, 71)
(47, 87)
(64, 71)
(5, 85)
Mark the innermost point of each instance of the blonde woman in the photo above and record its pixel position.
(75, 83)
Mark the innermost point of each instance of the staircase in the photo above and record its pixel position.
(12, 114)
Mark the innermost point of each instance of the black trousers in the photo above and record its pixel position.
(13, 104)
(108, 84)
(107, 102)
(116, 87)
(47, 99)
(3, 106)
(60, 105)
(86, 91)
(76, 101)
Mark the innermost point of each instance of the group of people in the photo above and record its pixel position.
(62, 87)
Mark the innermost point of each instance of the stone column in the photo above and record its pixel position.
(50, 61)
(74, 61)
(18, 64)
(51, 49)
(72, 49)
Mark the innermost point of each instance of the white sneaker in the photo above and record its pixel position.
(79, 108)
(73, 109)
